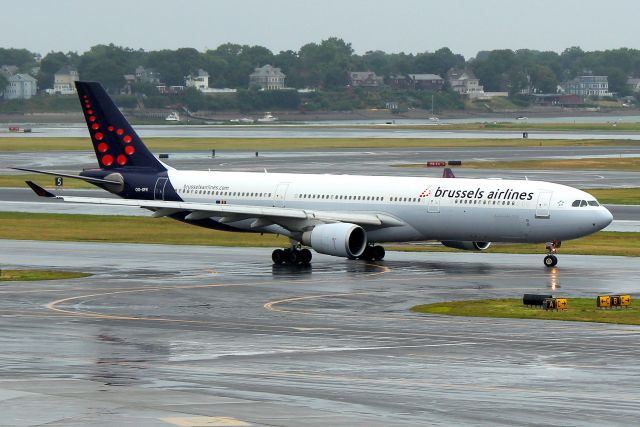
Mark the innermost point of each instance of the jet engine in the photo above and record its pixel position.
(467, 246)
(339, 239)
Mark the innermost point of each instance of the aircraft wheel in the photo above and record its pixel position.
(293, 257)
(378, 253)
(550, 261)
(305, 256)
(278, 256)
(368, 254)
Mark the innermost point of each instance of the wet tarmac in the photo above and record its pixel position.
(160, 335)
(372, 129)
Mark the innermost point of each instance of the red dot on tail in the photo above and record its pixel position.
(95, 126)
(89, 111)
(92, 118)
(120, 131)
(99, 136)
(127, 139)
(129, 150)
(122, 160)
(107, 160)
(102, 147)
(110, 128)
(87, 105)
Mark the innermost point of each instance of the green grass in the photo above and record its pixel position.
(158, 145)
(95, 228)
(601, 243)
(32, 275)
(618, 196)
(579, 309)
(42, 180)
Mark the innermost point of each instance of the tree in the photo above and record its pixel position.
(543, 79)
(3, 83)
(51, 63)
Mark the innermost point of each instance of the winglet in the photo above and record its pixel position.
(448, 173)
(39, 190)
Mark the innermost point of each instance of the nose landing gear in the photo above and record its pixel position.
(552, 247)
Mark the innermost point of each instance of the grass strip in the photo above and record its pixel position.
(32, 275)
(579, 309)
(40, 144)
(125, 229)
(624, 163)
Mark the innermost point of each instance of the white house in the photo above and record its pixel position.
(200, 81)
(21, 86)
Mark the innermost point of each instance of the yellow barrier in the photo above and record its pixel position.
(625, 300)
(561, 303)
(603, 301)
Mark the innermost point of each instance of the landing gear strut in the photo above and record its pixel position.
(552, 247)
(373, 253)
(293, 256)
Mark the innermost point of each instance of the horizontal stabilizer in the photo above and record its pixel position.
(448, 173)
(65, 175)
(39, 190)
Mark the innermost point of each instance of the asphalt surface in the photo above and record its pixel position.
(341, 129)
(366, 162)
(162, 334)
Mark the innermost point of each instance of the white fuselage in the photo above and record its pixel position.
(484, 210)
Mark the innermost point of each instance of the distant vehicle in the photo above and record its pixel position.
(339, 215)
(173, 117)
(242, 120)
(267, 118)
(521, 118)
(14, 129)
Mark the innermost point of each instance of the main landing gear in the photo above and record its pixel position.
(293, 256)
(552, 247)
(373, 253)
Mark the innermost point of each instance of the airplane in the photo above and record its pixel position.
(340, 215)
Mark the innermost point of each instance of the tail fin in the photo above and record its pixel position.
(448, 173)
(115, 142)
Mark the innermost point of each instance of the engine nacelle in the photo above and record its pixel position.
(467, 246)
(339, 239)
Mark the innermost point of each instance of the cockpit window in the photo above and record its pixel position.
(575, 203)
(583, 203)
(593, 203)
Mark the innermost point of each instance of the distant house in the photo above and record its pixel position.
(267, 77)
(129, 81)
(557, 99)
(633, 84)
(200, 81)
(398, 81)
(465, 83)
(21, 86)
(430, 82)
(64, 80)
(365, 79)
(595, 86)
(170, 90)
(147, 75)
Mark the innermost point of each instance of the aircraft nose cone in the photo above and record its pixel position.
(603, 218)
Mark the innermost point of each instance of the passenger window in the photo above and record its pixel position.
(583, 203)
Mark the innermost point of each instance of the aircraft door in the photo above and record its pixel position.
(158, 192)
(279, 195)
(544, 202)
(433, 205)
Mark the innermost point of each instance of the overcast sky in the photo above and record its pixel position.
(411, 26)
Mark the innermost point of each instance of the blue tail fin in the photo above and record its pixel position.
(116, 144)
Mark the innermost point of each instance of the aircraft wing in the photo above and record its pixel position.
(290, 218)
